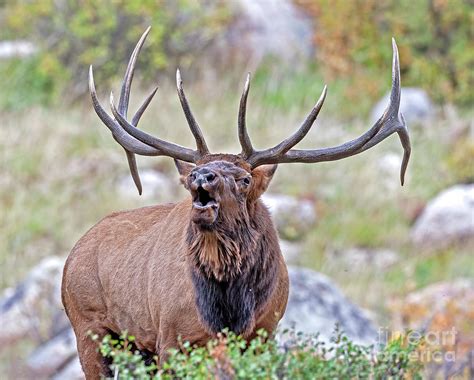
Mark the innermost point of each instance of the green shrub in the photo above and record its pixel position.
(301, 357)
(435, 38)
(29, 82)
(71, 35)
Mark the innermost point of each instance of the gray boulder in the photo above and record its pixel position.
(33, 310)
(316, 305)
(48, 357)
(415, 105)
(447, 219)
(34, 305)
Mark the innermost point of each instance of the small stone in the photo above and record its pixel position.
(17, 49)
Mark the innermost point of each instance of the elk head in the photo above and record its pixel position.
(224, 185)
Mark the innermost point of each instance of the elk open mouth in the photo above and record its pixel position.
(202, 200)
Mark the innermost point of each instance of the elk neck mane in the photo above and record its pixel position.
(233, 268)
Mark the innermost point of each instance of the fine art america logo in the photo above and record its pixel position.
(435, 346)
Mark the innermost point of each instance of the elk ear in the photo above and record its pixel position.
(261, 177)
(184, 168)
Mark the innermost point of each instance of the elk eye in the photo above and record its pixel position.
(246, 181)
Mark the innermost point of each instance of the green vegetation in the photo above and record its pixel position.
(435, 39)
(71, 35)
(301, 357)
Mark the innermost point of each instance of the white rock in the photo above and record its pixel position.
(34, 307)
(437, 296)
(415, 106)
(447, 219)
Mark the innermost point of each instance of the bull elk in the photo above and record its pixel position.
(190, 269)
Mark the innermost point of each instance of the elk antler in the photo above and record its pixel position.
(391, 121)
(135, 141)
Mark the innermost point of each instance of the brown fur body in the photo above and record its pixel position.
(158, 275)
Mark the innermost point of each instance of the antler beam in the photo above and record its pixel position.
(390, 122)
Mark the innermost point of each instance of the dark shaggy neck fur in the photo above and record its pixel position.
(233, 268)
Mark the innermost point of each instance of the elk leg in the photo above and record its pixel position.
(94, 365)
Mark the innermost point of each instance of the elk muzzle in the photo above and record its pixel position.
(204, 185)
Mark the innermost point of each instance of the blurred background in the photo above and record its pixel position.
(403, 255)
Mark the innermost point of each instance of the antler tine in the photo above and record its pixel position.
(193, 125)
(136, 118)
(128, 77)
(123, 105)
(391, 121)
(283, 147)
(245, 143)
(294, 139)
(397, 121)
(165, 147)
(133, 167)
(125, 140)
(132, 162)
